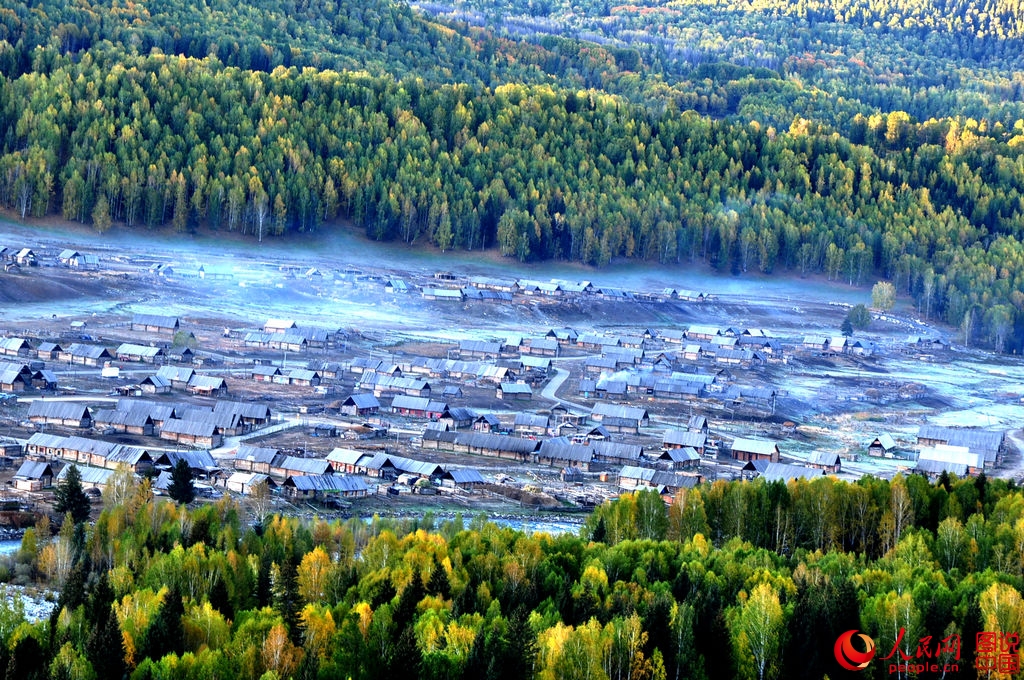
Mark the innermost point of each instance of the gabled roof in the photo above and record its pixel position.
(465, 476)
(617, 450)
(32, 469)
(10, 372)
(684, 454)
(136, 418)
(176, 373)
(44, 440)
(530, 420)
(243, 409)
(256, 454)
(561, 449)
(785, 472)
(89, 351)
(14, 344)
(64, 410)
(362, 400)
(209, 382)
(758, 446)
(327, 483)
(90, 475)
(190, 428)
(132, 349)
(308, 466)
(158, 320)
(953, 454)
(411, 403)
(197, 460)
(345, 456)
(983, 441)
(516, 388)
(823, 458)
(617, 411)
(885, 440)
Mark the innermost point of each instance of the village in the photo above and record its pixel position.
(355, 419)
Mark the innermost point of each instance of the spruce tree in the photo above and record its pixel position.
(181, 489)
(70, 498)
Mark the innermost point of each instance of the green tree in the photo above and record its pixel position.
(181, 489)
(757, 630)
(883, 296)
(101, 214)
(70, 498)
(859, 317)
(847, 327)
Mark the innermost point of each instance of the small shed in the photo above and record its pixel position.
(755, 449)
(883, 446)
(825, 460)
(33, 476)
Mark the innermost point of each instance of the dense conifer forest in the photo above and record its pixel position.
(734, 579)
(845, 139)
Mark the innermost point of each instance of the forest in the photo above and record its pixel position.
(732, 579)
(825, 142)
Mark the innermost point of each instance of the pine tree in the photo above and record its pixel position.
(181, 488)
(70, 498)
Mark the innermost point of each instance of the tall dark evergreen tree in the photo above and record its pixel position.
(181, 488)
(70, 498)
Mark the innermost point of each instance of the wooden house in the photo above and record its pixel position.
(517, 391)
(360, 405)
(16, 347)
(755, 449)
(457, 417)
(462, 478)
(155, 323)
(179, 377)
(14, 377)
(26, 257)
(201, 463)
(320, 487)
(935, 459)
(530, 424)
(481, 444)
(251, 415)
(288, 466)
(64, 413)
(303, 377)
(261, 373)
(139, 353)
(33, 476)
(348, 461)
(256, 459)
(48, 351)
(245, 482)
(208, 386)
(562, 453)
(70, 258)
(488, 422)
(825, 460)
(86, 355)
(989, 443)
(92, 477)
(192, 432)
(131, 422)
(882, 446)
(279, 325)
(417, 407)
(154, 384)
(618, 418)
